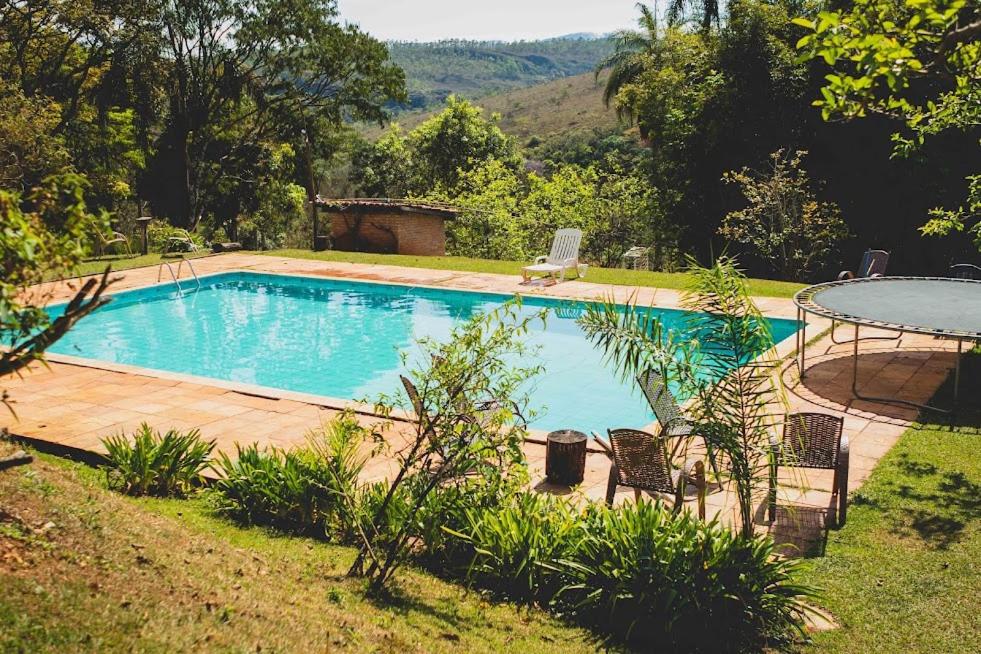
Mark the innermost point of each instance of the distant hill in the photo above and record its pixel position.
(473, 69)
(539, 112)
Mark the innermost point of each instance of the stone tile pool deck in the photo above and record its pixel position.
(72, 403)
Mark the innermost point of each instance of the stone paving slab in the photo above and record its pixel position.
(77, 405)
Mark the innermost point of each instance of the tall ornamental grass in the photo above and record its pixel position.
(151, 463)
(674, 582)
(311, 490)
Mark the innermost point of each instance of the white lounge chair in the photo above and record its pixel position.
(564, 256)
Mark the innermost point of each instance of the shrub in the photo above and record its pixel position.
(312, 489)
(515, 546)
(469, 401)
(153, 464)
(160, 231)
(673, 582)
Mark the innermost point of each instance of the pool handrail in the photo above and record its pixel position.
(189, 265)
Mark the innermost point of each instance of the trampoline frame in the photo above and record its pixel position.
(804, 300)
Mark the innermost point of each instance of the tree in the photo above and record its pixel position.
(629, 57)
(915, 61)
(784, 223)
(457, 139)
(63, 60)
(383, 168)
(261, 70)
(40, 239)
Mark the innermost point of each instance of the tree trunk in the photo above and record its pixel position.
(185, 211)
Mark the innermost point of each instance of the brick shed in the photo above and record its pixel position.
(388, 226)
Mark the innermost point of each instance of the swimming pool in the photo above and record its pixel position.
(342, 339)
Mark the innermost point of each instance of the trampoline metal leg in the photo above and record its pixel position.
(801, 341)
(835, 340)
(957, 370)
(889, 400)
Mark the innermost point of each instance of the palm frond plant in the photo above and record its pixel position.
(151, 463)
(719, 359)
(628, 60)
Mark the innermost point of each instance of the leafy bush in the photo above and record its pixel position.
(470, 407)
(160, 231)
(312, 489)
(677, 583)
(153, 464)
(515, 546)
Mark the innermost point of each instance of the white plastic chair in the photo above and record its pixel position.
(564, 256)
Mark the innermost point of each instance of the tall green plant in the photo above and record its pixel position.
(670, 582)
(165, 465)
(784, 222)
(311, 489)
(515, 545)
(468, 396)
(719, 358)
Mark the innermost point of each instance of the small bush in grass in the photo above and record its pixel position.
(515, 546)
(675, 583)
(153, 464)
(312, 489)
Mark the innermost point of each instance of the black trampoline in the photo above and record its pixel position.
(935, 306)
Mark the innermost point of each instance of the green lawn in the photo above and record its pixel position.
(757, 287)
(86, 570)
(903, 574)
(122, 262)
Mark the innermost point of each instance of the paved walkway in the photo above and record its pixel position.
(75, 404)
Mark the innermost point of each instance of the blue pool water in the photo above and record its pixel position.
(343, 338)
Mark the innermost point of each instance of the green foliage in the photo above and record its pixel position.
(29, 148)
(721, 358)
(151, 463)
(384, 168)
(62, 109)
(784, 224)
(159, 233)
(513, 215)
(434, 155)
(916, 61)
(458, 138)
(40, 237)
(710, 101)
(672, 582)
(471, 404)
(515, 546)
(312, 489)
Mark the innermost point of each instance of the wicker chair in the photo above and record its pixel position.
(812, 440)
(965, 271)
(672, 418)
(640, 460)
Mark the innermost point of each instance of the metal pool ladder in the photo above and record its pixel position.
(176, 276)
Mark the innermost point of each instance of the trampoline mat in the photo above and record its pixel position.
(930, 305)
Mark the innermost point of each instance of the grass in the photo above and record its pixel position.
(85, 570)
(757, 287)
(123, 262)
(902, 575)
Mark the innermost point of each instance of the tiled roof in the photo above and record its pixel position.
(378, 205)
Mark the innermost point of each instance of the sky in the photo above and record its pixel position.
(431, 20)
